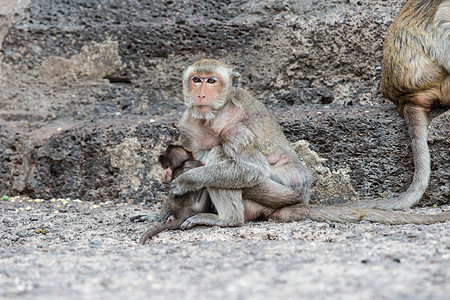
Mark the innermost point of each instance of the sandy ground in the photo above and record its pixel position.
(54, 249)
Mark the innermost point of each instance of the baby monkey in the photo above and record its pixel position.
(175, 161)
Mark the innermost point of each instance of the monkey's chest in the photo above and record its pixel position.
(207, 140)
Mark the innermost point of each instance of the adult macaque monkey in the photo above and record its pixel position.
(251, 172)
(175, 161)
(253, 159)
(176, 209)
(416, 77)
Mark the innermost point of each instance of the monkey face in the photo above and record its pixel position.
(167, 174)
(206, 88)
(206, 93)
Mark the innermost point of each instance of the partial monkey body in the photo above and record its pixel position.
(175, 161)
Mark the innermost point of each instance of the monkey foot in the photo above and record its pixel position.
(188, 224)
(142, 218)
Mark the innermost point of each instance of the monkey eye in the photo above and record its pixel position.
(211, 80)
(196, 79)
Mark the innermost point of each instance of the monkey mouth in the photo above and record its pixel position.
(203, 112)
(203, 108)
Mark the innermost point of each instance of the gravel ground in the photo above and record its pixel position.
(62, 248)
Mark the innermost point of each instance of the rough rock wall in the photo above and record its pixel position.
(361, 149)
(11, 11)
(292, 52)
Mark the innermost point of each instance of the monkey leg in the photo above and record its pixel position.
(272, 194)
(229, 207)
(256, 211)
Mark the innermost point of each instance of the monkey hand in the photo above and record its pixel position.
(182, 185)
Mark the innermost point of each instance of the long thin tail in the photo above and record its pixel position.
(349, 215)
(343, 214)
(175, 224)
(417, 123)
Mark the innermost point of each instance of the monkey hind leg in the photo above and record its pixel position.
(229, 207)
(273, 194)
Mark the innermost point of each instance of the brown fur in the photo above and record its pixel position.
(416, 77)
(251, 171)
(244, 149)
(179, 160)
(343, 214)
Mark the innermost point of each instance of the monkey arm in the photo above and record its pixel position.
(226, 175)
(227, 168)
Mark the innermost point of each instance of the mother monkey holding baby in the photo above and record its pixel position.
(248, 160)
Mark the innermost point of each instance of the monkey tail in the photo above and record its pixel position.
(343, 214)
(417, 122)
(175, 224)
(351, 215)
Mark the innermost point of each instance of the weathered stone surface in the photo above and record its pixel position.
(95, 62)
(114, 159)
(327, 186)
(293, 52)
(11, 11)
(108, 160)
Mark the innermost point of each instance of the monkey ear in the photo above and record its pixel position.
(235, 76)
